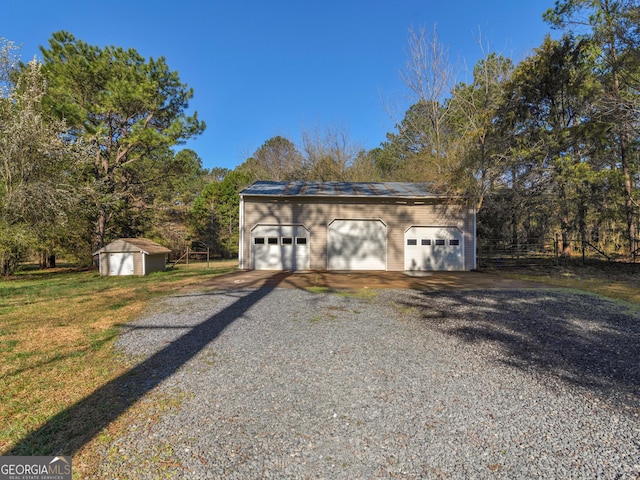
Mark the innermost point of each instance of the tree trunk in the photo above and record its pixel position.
(47, 259)
(101, 227)
(582, 216)
(622, 128)
(566, 240)
(4, 267)
(628, 201)
(565, 226)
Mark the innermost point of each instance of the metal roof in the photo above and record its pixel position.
(339, 189)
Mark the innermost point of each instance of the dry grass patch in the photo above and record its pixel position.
(617, 281)
(56, 336)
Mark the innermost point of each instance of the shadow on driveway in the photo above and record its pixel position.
(74, 427)
(579, 339)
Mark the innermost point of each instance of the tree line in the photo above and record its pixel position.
(89, 142)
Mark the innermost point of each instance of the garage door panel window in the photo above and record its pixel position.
(412, 241)
(440, 248)
(277, 247)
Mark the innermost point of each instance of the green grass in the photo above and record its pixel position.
(7, 346)
(317, 289)
(57, 331)
(363, 293)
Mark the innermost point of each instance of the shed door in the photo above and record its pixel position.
(357, 245)
(433, 248)
(121, 263)
(280, 247)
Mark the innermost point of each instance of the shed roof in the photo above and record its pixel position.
(340, 189)
(143, 245)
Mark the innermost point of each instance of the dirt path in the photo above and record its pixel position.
(359, 280)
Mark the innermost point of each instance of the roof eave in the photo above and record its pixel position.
(399, 197)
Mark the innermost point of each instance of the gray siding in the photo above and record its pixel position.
(315, 214)
(138, 258)
(155, 263)
(104, 264)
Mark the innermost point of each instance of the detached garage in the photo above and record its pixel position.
(132, 256)
(354, 226)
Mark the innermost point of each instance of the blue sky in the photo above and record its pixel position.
(266, 68)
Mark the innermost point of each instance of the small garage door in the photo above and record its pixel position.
(280, 247)
(357, 245)
(121, 263)
(433, 248)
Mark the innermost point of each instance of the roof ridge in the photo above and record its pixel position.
(315, 188)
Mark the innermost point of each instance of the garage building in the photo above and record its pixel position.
(390, 226)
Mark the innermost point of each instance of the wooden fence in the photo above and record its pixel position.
(192, 254)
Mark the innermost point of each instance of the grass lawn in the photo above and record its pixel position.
(57, 329)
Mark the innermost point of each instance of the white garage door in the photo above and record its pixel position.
(357, 245)
(121, 263)
(433, 248)
(280, 247)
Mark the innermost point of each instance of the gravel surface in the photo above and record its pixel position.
(285, 383)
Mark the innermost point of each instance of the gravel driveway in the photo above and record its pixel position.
(285, 383)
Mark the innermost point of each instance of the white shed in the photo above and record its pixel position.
(132, 256)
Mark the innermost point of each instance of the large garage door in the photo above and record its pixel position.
(280, 247)
(357, 245)
(433, 248)
(121, 263)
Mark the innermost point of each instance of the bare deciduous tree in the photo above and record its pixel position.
(328, 153)
(278, 159)
(8, 63)
(429, 76)
(474, 109)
